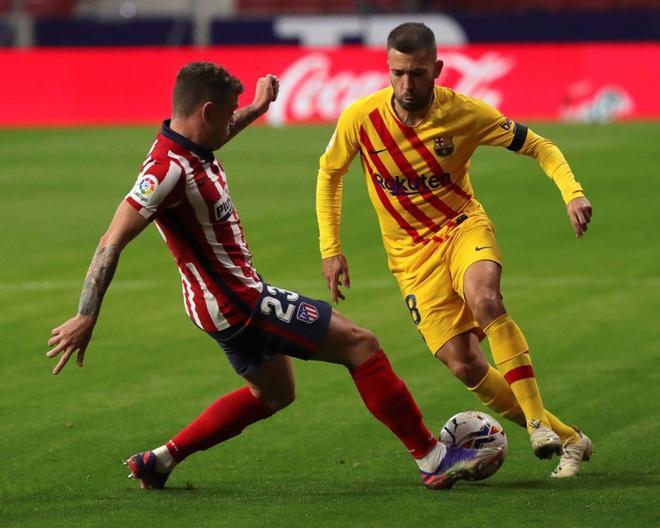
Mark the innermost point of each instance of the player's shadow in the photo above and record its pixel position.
(590, 481)
(276, 490)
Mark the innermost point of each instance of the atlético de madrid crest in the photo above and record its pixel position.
(443, 146)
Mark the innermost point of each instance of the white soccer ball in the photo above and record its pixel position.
(474, 430)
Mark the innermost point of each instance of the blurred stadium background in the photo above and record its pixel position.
(582, 60)
(84, 87)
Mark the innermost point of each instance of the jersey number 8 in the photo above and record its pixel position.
(411, 303)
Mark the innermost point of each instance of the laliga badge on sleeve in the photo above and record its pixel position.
(145, 188)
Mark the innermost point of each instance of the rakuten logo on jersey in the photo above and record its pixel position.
(316, 89)
(399, 185)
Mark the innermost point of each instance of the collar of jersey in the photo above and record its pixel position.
(185, 142)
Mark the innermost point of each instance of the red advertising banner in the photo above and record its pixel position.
(574, 82)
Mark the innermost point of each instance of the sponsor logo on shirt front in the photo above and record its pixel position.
(224, 208)
(399, 185)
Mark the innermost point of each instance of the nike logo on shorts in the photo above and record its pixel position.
(477, 248)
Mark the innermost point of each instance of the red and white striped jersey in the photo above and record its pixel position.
(183, 188)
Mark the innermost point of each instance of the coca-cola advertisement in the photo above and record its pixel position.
(578, 82)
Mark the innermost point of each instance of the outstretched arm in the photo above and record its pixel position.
(75, 334)
(265, 93)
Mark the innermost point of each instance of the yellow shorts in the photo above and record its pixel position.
(434, 291)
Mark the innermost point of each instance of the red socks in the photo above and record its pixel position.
(389, 400)
(224, 419)
(383, 392)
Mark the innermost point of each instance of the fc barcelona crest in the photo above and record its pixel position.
(443, 146)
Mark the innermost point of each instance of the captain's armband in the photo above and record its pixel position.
(519, 136)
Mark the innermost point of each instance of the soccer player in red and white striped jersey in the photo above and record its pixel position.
(183, 189)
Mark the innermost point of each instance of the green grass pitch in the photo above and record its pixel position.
(589, 309)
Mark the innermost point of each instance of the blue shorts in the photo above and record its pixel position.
(284, 322)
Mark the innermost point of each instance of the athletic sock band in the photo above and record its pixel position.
(510, 353)
(496, 394)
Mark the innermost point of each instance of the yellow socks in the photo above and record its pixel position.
(495, 393)
(510, 354)
(562, 430)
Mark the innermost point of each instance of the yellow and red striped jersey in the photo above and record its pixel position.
(417, 177)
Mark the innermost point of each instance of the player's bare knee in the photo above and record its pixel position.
(365, 342)
(276, 401)
(467, 365)
(279, 402)
(470, 374)
(486, 305)
(286, 399)
(361, 345)
(347, 343)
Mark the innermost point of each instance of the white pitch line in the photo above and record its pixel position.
(73, 285)
(515, 282)
(368, 284)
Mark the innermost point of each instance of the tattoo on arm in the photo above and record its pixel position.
(242, 118)
(98, 278)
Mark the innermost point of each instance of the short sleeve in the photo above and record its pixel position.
(155, 187)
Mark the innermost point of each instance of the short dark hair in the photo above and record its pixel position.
(410, 37)
(199, 82)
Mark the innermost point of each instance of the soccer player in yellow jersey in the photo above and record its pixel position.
(415, 140)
